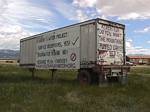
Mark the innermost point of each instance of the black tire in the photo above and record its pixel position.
(84, 77)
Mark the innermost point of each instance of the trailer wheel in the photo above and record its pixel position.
(84, 77)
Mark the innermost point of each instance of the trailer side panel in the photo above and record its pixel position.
(59, 49)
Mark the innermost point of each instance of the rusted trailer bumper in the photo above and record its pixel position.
(107, 73)
(102, 74)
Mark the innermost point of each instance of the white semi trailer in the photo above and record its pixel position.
(96, 48)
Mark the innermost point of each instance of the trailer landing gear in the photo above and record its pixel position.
(53, 72)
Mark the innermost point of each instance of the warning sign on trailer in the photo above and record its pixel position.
(59, 49)
(110, 44)
(73, 56)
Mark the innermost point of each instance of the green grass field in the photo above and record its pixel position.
(20, 93)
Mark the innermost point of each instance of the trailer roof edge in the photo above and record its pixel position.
(91, 20)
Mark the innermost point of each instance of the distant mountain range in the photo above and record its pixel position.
(9, 54)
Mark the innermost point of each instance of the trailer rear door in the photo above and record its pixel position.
(87, 44)
(110, 43)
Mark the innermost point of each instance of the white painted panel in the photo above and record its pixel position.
(109, 44)
(59, 49)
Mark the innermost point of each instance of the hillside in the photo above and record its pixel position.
(9, 54)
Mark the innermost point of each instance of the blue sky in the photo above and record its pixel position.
(22, 18)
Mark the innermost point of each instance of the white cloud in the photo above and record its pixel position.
(85, 3)
(131, 49)
(16, 16)
(123, 9)
(130, 16)
(10, 36)
(69, 11)
(148, 42)
(21, 10)
(145, 30)
(81, 16)
(129, 44)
